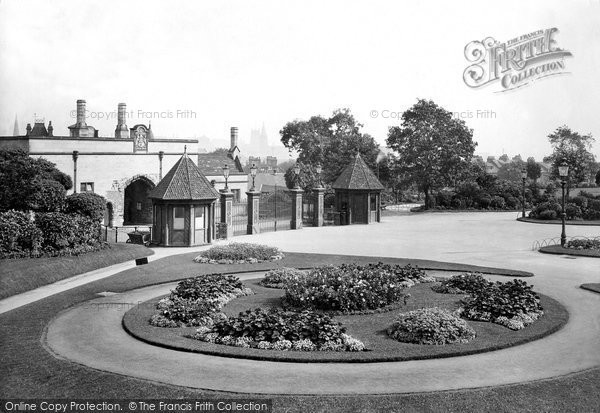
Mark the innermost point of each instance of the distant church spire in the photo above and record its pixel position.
(16, 128)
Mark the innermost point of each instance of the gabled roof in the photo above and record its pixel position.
(357, 175)
(184, 182)
(211, 164)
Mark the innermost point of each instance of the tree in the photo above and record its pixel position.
(534, 170)
(307, 179)
(432, 146)
(28, 183)
(598, 177)
(573, 149)
(511, 171)
(331, 142)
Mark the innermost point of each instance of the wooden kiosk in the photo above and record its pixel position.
(183, 207)
(358, 194)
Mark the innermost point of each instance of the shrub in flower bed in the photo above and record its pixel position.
(430, 326)
(277, 329)
(278, 277)
(512, 304)
(352, 288)
(584, 244)
(239, 253)
(198, 301)
(462, 284)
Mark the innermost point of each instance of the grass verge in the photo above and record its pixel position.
(557, 249)
(558, 222)
(20, 275)
(369, 328)
(594, 287)
(29, 371)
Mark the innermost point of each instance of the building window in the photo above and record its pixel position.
(178, 218)
(138, 206)
(87, 187)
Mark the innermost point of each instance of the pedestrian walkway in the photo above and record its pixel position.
(493, 239)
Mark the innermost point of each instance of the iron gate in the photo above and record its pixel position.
(275, 209)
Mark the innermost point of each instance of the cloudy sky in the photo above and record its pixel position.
(205, 66)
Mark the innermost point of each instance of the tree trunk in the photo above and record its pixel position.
(427, 198)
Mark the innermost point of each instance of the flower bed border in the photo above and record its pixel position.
(135, 323)
(583, 222)
(558, 250)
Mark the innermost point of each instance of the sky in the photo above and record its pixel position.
(196, 68)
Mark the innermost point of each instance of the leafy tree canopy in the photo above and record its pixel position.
(433, 147)
(28, 183)
(573, 149)
(534, 170)
(331, 142)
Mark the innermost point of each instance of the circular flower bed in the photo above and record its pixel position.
(584, 244)
(351, 288)
(277, 329)
(430, 326)
(239, 253)
(279, 277)
(198, 301)
(512, 304)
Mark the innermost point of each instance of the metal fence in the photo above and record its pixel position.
(275, 211)
(121, 234)
(556, 241)
(239, 218)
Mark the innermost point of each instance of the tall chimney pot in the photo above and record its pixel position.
(81, 113)
(234, 137)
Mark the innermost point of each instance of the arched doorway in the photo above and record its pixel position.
(137, 208)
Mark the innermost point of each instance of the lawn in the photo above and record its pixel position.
(369, 328)
(20, 275)
(28, 370)
(557, 249)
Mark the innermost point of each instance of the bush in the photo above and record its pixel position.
(580, 201)
(279, 277)
(197, 301)
(573, 211)
(19, 237)
(68, 234)
(430, 326)
(281, 330)
(466, 283)
(584, 244)
(484, 201)
(46, 196)
(512, 202)
(547, 215)
(498, 202)
(238, 251)
(350, 287)
(87, 204)
(507, 299)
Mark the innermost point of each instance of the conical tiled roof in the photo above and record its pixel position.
(357, 175)
(184, 182)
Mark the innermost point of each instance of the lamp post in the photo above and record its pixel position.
(523, 177)
(75, 157)
(226, 175)
(563, 171)
(296, 176)
(253, 170)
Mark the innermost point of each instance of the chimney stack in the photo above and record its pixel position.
(121, 131)
(81, 113)
(234, 137)
(50, 129)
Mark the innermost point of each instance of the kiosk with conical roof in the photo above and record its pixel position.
(358, 194)
(183, 205)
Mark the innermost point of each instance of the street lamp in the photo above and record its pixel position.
(563, 171)
(226, 175)
(297, 176)
(253, 170)
(319, 169)
(523, 177)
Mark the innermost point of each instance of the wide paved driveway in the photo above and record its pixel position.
(490, 239)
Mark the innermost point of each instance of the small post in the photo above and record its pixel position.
(226, 211)
(296, 221)
(253, 211)
(318, 206)
(75, 157)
